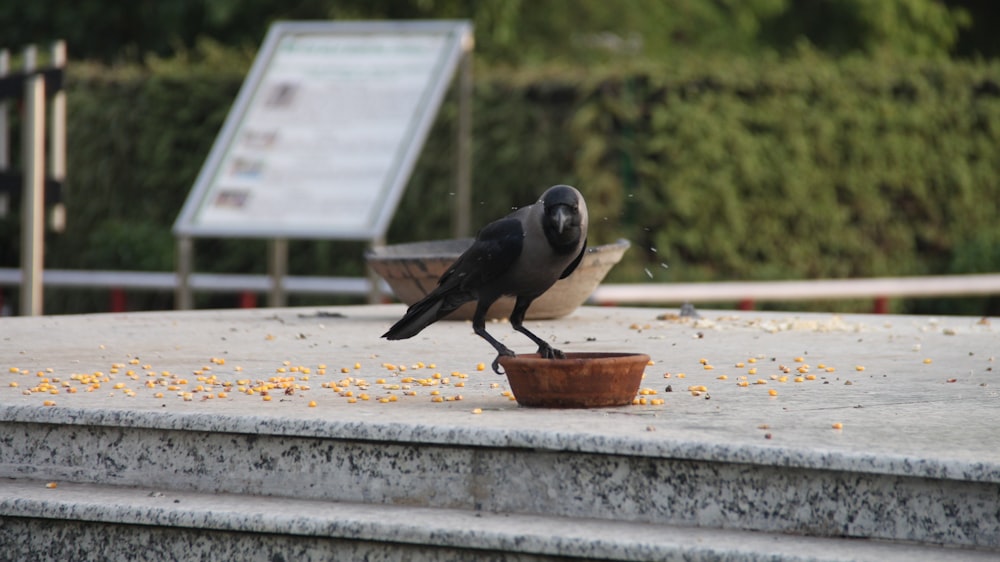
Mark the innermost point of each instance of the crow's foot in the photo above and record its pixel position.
(496, 362)
(548, 352)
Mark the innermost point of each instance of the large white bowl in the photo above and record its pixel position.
(412, 270)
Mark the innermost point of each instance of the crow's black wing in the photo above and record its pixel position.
(496, 248)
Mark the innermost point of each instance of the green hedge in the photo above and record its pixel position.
(720, 169)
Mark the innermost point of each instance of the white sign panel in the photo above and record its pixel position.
(325, 131)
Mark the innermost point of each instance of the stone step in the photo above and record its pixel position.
(82, 521)
(388, 465)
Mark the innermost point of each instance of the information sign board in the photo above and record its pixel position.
(325, 130)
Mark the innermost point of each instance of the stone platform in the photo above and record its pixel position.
(231, 433)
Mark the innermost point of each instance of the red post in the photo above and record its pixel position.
(248, 299)
(881, 305)
(746, 304)
(118, 301)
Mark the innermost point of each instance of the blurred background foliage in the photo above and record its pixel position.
(727, 139)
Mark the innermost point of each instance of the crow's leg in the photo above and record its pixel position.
(479, 327)
(517, 321)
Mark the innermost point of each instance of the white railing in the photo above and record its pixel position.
(819, 289)
(206, 282)
(744, 292)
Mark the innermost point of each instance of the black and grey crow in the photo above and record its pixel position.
(521, 255)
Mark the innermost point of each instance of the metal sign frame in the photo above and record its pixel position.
(347, 42)
(454, 42)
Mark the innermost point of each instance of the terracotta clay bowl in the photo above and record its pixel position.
(581, 380)
(412, 270)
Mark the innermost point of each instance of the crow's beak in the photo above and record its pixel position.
(563, 217)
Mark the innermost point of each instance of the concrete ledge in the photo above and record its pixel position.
(515, 480)
(122, 523)
(915, 458)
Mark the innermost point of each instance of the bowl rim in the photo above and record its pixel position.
(378, 253)
(573, 357)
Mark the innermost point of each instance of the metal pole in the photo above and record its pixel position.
(183, 299)
(277, 269)
(374, 291)
(4, 133)
(32, 216)
(57, 140)
(461, 219)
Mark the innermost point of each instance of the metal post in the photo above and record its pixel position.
(374, 291)
(461, 219)
(183, 299)
(277, 269)
(4, 133)
(57, 140)
(32, 216)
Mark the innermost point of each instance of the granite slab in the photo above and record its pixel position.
(143, 523)
(925, 403)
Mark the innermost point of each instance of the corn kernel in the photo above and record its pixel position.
(838, 425)
(859, 368)
(752, 371)
(49, 403)
(740, 365)
(267, 398)
(477, 410)
(437, 399)
(481, 366)
(799, 379)
(51, 485)
(810, 377)
(772, 392)
(928, 361)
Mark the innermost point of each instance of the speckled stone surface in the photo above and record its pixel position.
(916, 458)
(78, 521)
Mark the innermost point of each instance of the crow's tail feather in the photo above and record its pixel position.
(421, 314)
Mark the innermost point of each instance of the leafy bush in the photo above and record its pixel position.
(721, 169)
